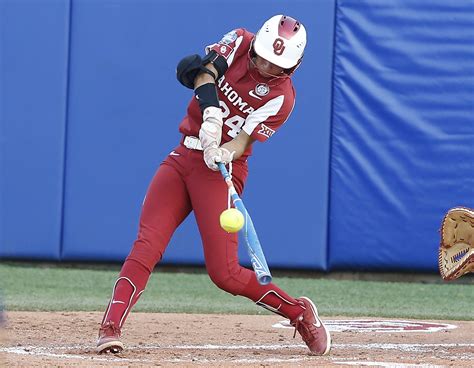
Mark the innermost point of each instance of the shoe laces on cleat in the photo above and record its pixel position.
(109, 329)
(311, 328)
(306, 330)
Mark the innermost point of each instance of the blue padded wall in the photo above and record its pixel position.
(125, 106)
(33, 81)
(287, 188)
(403, 130)
(89, 107)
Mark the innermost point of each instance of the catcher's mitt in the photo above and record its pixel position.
(456, 251)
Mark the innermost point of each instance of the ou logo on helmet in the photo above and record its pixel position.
(278, 46)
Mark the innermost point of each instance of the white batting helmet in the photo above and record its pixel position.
(281, 41)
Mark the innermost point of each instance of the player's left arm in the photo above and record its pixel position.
(262, 123)
(228, 152)
(239, 144)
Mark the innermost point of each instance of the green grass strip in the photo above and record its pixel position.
(30, 287)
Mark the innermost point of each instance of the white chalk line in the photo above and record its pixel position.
(414, 348)
(111, 358)
(379, 326)
(389, 364)
(39, 351)
(373, 346)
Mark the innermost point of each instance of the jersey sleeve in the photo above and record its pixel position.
(229, 45)
(262, 123)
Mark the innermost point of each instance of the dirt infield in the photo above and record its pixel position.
(61, 339)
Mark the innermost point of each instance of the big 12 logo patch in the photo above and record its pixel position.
(266, 131)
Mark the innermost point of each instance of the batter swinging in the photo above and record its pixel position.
(243, 93)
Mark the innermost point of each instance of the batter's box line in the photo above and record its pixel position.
(361, 363)
(409, 348)
(38, 351)
(369, 346)
(49, 352)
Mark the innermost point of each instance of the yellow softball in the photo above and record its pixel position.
(232, 220)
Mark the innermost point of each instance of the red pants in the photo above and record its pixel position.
(182, 184)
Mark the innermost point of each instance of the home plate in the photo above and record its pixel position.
(367, 325)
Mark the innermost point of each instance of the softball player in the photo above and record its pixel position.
(242, 93)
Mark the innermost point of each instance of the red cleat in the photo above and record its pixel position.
(109, 339)
(312, 329)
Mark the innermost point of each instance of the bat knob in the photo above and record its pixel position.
(264, 279)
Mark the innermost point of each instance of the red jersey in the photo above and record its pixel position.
(249, 101)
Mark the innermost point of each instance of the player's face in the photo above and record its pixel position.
(267, 69)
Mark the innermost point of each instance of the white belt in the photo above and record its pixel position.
(192, 143)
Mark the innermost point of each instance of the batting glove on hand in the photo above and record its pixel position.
(213, 155)
(210, 133)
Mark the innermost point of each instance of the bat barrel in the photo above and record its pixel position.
(254, 249)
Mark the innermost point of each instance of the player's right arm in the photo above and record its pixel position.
(219, 57)
(201, 74)
(203, 78)
(205, 91)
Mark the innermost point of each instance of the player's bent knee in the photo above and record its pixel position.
(227, 285)
(230, 282)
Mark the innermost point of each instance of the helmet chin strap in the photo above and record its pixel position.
(276, 79)
(266, 74)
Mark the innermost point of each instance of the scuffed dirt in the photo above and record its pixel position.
(66, 339)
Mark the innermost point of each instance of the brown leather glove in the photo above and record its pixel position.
(456, 250)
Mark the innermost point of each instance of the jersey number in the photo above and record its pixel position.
(235, 122)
